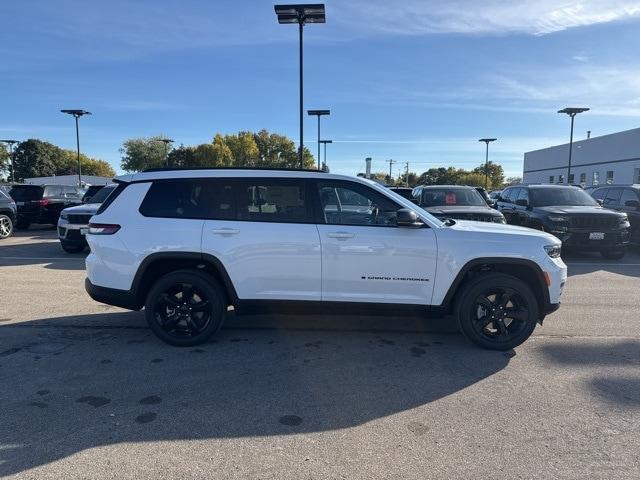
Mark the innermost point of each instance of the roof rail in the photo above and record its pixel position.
(171, 169)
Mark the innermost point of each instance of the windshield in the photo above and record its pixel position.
(452, 197)
(22, 193)
(102, 194)
(560, 197)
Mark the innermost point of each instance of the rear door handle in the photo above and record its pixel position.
(340, 235)
(225, 231)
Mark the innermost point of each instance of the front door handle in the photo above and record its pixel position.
(225, 231)
(340, 235)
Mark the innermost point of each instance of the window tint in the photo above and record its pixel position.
(102, 194)
(265, 200)
(349, 204)
(513, 194)
(433, 197)
(523, 195)
(560, 196)
(23, 193)
(52, 191)
(175, 199)
(612, 197)
(628, 194)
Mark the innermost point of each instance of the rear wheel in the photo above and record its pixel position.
(497, 311)
(6, 226)
(613, 254)
(185, 308)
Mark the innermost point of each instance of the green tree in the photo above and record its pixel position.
(440, 176)
(413, 179)
(244, 149)
(473, 179)
(495, 174)
(279, 151)
(36, 158)
(142, 153)
(181, 157)
(5, 164)
(512, 181)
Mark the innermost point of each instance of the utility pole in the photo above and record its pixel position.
(391, 162)
(406, 175)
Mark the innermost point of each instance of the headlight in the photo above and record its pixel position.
(558, 218)
(553, 250)
(64, 216)
(499, 220)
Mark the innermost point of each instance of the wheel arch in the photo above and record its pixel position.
(525, 270)
(158, 264)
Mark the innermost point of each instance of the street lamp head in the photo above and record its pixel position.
(9, 142)
(319, 112)
(572, 111)
(75, 112)
(487, 140)
(311, 13)
(326, 141)
(166, 140)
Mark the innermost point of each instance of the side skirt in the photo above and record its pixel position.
(293, 307)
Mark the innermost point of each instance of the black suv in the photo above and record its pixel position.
(570, 214)
(455, 201)
(43, 203)
(623, 198)
(7, 215)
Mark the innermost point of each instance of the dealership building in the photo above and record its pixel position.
(613, 158)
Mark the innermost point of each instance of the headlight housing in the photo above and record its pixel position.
(64, 216)
(553, 250)
(557, 218)
(499, 220)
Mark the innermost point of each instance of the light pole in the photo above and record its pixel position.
(487, 141)
(77, 114)
(572, 112)
(166, 142)
(391, 162)
(11, 143)
(324, 142)
(301, 14)
(319, 113)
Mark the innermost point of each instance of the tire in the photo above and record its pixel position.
(485, 292)
(613, 254)
(71, 247)
(6, 226)
(178, 323)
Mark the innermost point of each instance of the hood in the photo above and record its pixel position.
(578, 210)
(452, 211)
(503, 229)
(87, 208)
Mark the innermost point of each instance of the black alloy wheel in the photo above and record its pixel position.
(185, 308)
(497, 311)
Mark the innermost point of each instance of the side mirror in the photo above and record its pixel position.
(632, 203)
(408, 218)
(522, 202)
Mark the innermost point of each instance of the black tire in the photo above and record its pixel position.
(613, 254)
(71, 247)
(6, 226)
(508, 300)
(177, 322)
(22, 225)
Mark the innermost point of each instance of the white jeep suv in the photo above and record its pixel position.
(187, 244)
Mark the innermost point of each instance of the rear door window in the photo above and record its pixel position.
(612, 198)
(628, 195)
(51, 191)
(600, 193)
(274, 200)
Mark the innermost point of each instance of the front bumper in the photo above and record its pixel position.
(71, 233)
(579, 239)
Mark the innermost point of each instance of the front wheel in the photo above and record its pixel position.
(613, 254)
(497, 311)
(185, 308)
(6, 226)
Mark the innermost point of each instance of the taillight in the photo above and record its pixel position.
(42, 203)
(103, 228)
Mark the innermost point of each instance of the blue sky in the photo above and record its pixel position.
(411, 80)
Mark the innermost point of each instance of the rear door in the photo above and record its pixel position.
(506, 204)
(365, 256)
(263, 231)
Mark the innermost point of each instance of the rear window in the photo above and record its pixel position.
(99, 196)
(190, 198)
(437, 197)
(24, 193)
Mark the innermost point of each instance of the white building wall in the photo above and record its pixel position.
(68, 180)
(618, 153)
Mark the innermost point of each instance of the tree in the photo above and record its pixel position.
(181, 157)
(495, 174)
(512, 181)
(5, 164)
(244, 149)
(142, 153)
(473, 179)
(440, 176)
(278, 151)
(413, 179)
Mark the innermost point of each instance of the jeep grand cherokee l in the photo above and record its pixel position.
(455, 201)
(187, 244)
(570, 214)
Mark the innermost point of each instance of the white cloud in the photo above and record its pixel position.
(536, 17)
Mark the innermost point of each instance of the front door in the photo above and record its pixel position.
(365, 256)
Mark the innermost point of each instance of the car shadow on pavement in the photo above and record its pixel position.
(73, 383)
(582, 263)
(612, 367)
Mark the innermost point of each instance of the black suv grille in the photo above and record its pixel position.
(476, 217)
(79, 219)
(594, 221)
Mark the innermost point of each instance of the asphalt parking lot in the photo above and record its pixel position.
(88, 392)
